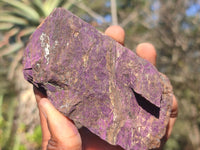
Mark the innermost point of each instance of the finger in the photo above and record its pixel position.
(170, 127)
(147, 51)
(38, 94)
(173, 116)
(117, 33)
(62, 130)
(43, 122)
(174, 111)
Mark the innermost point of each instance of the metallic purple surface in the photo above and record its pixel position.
(97, 82)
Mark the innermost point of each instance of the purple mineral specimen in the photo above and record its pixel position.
(97, 82)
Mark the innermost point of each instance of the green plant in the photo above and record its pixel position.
(7, 120)
(18, 20)
(36, 136)
(1, 120)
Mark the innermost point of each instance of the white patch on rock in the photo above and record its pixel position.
(45, 43)
(56, 43)
(64, 106)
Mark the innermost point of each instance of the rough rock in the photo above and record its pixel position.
(97, 82)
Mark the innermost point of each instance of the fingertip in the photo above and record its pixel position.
(116, 32)
(147, 51)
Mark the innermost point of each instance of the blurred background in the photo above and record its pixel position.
(171, 25)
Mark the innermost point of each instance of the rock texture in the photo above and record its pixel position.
(97, 82)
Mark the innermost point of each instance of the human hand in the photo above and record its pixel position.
(147, 51)
(59, 132)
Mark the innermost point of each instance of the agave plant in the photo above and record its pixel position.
(18, 20)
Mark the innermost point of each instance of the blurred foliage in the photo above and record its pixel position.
(7, 123)
(172, 26)
(36, 137)
(18, 20)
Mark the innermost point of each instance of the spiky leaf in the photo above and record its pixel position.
(11, 49)
(6, 26)
(49, 5)
(12, 19)
(29, 11)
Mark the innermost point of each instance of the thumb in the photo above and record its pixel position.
(62, 130)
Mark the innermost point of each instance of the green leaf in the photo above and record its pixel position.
(68, 4)
(49, 5)
(12, 19)
(16, 12)
(38, 3)
(29, 11)
(26, 31)
(11, 49)
(6, 26)
(23, 15)
(39, 6)
(36, 137)
(1, 102)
